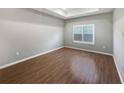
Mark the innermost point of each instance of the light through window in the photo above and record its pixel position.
(84, 34)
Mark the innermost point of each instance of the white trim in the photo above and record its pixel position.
(22, 60)
(120, 76)
(82, 42)
(89, 50)
(115, 61)
(81, 14)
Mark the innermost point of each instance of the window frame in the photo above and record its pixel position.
(85, 42)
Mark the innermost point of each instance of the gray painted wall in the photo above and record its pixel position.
(119, 39)
(28, 32)
(103, 32)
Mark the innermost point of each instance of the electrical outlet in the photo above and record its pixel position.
(122, 34)
(103, 47)
(17, 53)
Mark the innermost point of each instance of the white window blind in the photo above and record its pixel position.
(84, 33)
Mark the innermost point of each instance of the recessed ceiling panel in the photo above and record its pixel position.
(67, 13)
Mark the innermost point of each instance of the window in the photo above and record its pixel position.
(84, 34)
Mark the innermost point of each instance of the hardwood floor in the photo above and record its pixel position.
(64, 66)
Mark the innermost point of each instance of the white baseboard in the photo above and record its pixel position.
(118, 69)
(19, 61)
(104, 54)
(89, 50)
(22, 60)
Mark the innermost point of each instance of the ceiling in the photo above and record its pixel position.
(68, 13)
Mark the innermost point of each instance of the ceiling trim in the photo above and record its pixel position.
(64, 13)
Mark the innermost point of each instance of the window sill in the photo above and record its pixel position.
(90, 43)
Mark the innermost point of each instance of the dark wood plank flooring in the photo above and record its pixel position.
(64, 66)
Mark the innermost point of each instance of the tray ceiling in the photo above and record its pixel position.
(67, 13)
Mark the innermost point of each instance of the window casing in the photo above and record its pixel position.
(84, 34)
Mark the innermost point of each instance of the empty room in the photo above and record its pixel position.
(61, 45)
